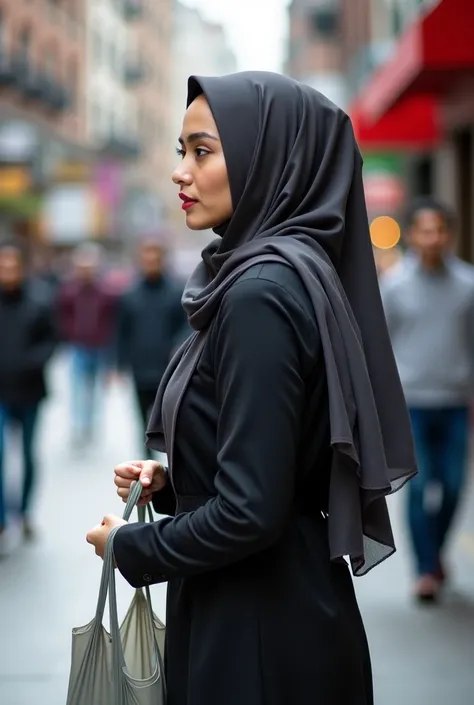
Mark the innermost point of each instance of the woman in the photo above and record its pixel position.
(282, 416)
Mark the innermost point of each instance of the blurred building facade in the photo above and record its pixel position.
(411, 69)
(42, 59)
(129, 111)
(41, 105)
(149, 78)
(85, 115)
(200, 47)
(314, 51)
(111, 114)
(408, 68)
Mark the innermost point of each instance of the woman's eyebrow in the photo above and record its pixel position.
(194, 136)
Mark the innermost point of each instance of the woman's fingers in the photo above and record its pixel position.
(124, 482)
(129, 471)
(125, 475)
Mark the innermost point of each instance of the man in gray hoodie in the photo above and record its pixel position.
(429, 305)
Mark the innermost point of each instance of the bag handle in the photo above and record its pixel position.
(133, 497)
(108, 566)
(118, 658)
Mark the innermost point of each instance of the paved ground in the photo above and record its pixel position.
(421, 656)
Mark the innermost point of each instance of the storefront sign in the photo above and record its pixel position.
(14, 181)
(383, 184)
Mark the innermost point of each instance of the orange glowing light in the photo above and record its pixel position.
(385, 232)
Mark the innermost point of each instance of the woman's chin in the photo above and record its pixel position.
(197, 223)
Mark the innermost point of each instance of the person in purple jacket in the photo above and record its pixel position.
(87, 319)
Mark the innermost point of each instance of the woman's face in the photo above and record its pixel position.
(202, 173)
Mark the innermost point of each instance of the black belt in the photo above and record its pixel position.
(190, 502)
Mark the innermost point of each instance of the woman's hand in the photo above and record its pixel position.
(152, 476)
(98, 536)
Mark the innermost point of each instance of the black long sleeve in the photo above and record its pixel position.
(260, 396)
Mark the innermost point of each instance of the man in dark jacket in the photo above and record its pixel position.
(152, 323)
(28, 341)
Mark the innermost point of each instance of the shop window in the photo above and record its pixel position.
(324, 22)
(424, 176)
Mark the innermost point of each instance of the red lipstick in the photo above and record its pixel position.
(187, 202)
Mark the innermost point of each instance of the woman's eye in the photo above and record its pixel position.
(199, 152)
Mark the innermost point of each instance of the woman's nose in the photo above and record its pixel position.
(180, 176)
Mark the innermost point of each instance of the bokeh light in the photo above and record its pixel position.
(385, 232)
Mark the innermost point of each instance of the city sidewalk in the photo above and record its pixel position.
(422, 656)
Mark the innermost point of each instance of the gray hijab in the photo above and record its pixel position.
(295, 175)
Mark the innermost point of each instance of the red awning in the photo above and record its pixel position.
(412, 124)
(430, 57)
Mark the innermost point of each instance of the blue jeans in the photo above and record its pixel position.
(88, 367)
(25, 416)
(441, 441)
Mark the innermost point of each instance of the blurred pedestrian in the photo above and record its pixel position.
(87, 319)
(152, 323)
(278, 415)
(28, 341)
(43, 269)
(429, 307)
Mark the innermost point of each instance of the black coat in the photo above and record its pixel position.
(29, 336)
(256, 613)
(152, 322)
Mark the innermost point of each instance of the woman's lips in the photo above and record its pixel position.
(187, 202)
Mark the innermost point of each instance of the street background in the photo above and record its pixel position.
(92, 95)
